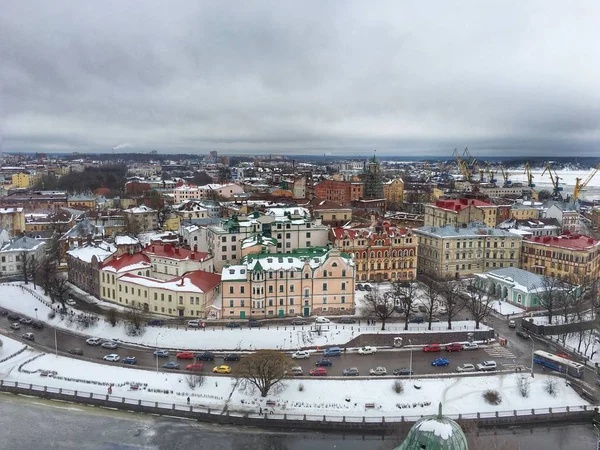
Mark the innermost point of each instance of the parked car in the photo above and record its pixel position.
(470, 346)
(324, 362)
(13, 316)
(435, 319)
(3, 312)
(512, 324)
(171, 365)
(346, 320)
(416, 319)
(185, 355)
(432, 348)
(233, 325)
(299, 321)
(113, 357)
(318, 372)
(332, 351)
(222, 369)
(486, 365)
(403, 371)
(301, 354)
(321, 319)
(195, 324)
(195, 367)
(367, 350)
(205, 356)
(405, 284)
(15, 326)
(26, 321)
(254, 324)
(440, 362)
(38, 325)
(378, 371)
(161, 353)
(70, 302)
(466, 368)
(130, 360)
(296, 371)
(351, 372)
(156, 323)
(360, 287)
(29, 336)
(111, 345)
(523, 334)
(442, 310)
(76, 351)
(232, 357)
(367, 287)
(93, 341)
(454, 347)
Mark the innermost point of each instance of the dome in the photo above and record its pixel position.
(435, 433)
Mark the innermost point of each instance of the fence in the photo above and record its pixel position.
(298, 421)
(565, 328)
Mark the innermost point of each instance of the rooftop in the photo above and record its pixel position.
(197, 281)
(22, 244)
(458, 205)
(473, 230)
(524, 280)
(127, 262)
(568, 241)
(169, 251)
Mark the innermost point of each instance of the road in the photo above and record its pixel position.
(506, 357)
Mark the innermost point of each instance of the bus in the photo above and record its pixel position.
(558, 363)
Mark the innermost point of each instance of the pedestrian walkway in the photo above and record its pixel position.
(500, 352)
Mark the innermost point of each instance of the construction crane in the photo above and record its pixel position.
(579, 186)
(556, 188)
(529, 176)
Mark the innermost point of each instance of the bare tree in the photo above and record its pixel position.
(133, 226)
(549, 299)
(59, 289)
(379, 305)
(136, 323)
(478, 302)
(403, 295)
(432, 298)
(264, 369)
(451, 291)
(27, 268)
(45, 273)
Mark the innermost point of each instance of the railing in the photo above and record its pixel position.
(287, 419)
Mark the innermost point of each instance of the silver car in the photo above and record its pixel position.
(109, 344)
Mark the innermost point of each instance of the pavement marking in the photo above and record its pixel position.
(500, 352)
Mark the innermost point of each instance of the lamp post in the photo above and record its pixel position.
(532, 351)
(157, 336)
(36, 316)
(410, 364)
(597, 437)
(55, 342)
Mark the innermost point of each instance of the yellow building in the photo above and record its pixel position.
(82, 202)
(524, 212)
(451, 252)
(21, 180)
(381, 252)
(393, 191)
(303, 282)
(570, 256)
(172, 223)
(460, 212)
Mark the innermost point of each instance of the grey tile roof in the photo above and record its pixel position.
(528, 280)
(24, 244)
(474, 230)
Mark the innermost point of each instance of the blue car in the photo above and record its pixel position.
(323, 363)
(156, 323)
(161, 353)
(171, 365)
(130, 360)
(440, 362)
(233, 325)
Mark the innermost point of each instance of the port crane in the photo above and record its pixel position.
(529, 176)
(579, 186)
(491, 171)
(466, 163)
(505, 176)
(556, 188)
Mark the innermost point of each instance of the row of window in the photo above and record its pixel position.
(260, 290)
(271, 302)
(400, 265)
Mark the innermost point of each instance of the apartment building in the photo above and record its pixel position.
(15, 253)
(330, 213)
(452, 252)
(525, 211)
(393, 191)
(82, 202)
(291, 232)
(342, 192)
(567, 256)
(145, 216)
(566, 214)
(84, 265)
(207, 192)
(380, 252)
(460, 212)
(302, 282)
(12, 220)
(170, 261)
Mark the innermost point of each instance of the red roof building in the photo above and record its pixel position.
(460, 212)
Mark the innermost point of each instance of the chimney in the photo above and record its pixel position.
(192, 256)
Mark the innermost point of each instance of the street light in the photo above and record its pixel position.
(410, 364)
(157, 336)
(532, 351)
(36, 316)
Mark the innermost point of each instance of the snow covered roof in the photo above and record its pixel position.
(126, 240)
(520, 279)
(257, 239)
(169, 251)
(25, 244)
(196, 281)
(127, 263)
(142, 209)
(474, 230)
(87, 252)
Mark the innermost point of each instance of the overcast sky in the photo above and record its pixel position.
(336, 77)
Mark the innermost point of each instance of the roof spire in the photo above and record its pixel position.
(440, 411)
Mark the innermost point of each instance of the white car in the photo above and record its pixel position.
(487, 366)
(70, 302)
(367, 350)
(109, 345)
(93, 341)
(113, 357)
(301, 354)
(320, 319)
(195, 324)
(466, 368)
(470, 346)
(378, 371)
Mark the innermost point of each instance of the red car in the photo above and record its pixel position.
(318, 372)
(196, 367)
(454, 347)
(432, 348)
(185, 355)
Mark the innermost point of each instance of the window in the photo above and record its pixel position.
(270, 289)
(180, 300)
(242, 289)
(281, 288)
(170, 298)
(233, 238)
(291, 301)
(224, 248)
(343, 299)
(324, 286)
(307, 235)
(224, 239)
(231, 303)
(324, 300)
(242, 303)
(343, 286)
(344, 272)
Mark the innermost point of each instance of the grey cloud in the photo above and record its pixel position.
(342, 77)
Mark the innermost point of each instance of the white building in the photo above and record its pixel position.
(207, 192)
(13, 253)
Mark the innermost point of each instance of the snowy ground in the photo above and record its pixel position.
(317, 397)
(505, 308)
(14, 298)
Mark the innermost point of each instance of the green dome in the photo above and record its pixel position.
(435, 433)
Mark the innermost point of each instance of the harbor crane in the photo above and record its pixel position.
(505, 176)
(529, 175)
(579, 186)
(556, 188)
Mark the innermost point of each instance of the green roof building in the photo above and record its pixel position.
(435, 433)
